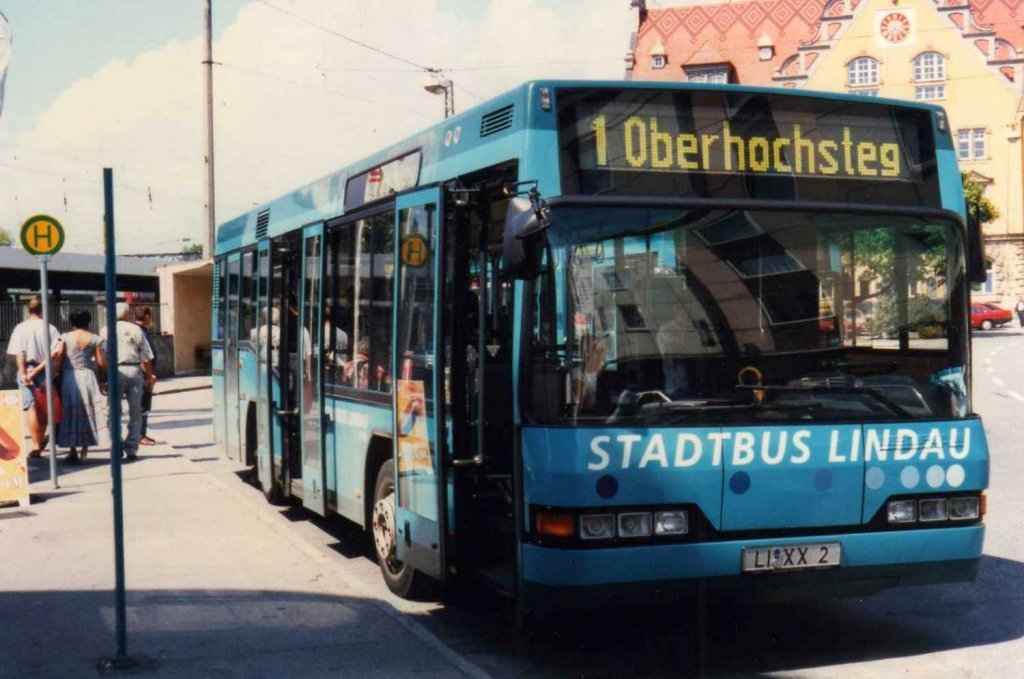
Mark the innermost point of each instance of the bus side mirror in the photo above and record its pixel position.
(976, 272)
(525, 222)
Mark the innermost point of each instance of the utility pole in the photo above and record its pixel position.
(211, 221)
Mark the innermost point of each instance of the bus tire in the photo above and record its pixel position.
(401, 578)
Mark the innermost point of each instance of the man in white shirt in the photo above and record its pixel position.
(28, 346)
(135, 372)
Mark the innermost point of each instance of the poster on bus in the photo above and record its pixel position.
(414, 455)
(13, 462)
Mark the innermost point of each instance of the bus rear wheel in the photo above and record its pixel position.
(401, 578)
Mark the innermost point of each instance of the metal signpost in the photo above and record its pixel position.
(43, 236)
(120, 661)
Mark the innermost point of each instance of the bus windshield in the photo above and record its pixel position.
(655, 316)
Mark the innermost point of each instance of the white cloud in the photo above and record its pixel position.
(292, 102)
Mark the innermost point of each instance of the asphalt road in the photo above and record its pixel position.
(962, 630)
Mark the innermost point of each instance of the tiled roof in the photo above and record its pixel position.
(1004, 17)
(729, 32)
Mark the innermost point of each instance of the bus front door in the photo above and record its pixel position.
(418, 395)
(285, 467)
(314, 492)
(264, 462)
(232, 437)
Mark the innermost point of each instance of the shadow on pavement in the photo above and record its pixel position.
(159, 412)
(213, 633)
(180, 424)
(741, 640)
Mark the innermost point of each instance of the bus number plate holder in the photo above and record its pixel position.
(791, 557)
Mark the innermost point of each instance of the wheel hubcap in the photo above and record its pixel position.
(384, 529)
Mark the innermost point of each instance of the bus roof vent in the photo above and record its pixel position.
(496, 121)
(262, 221)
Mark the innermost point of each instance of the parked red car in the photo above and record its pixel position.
(985, 316)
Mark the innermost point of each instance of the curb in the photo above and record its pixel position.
(182, 390)
(266, 514)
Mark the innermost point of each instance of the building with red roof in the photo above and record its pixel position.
(967, 56)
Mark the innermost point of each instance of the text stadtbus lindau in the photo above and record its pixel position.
(741, 448)
(646, 146)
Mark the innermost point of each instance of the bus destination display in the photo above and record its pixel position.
(695, 133)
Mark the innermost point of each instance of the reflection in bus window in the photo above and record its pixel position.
(357, 303)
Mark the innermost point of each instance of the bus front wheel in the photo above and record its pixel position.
(401, 578)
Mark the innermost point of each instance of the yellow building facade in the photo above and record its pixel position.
(963, 57)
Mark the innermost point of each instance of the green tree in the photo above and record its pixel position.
(974, 194)
(6, 240)
(192, 251)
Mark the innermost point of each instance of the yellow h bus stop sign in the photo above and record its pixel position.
(42, 235)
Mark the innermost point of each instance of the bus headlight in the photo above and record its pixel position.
(671, 523)
(963, 508)
(597, 526)
(902, 511)
(932, 510)
(635, 525)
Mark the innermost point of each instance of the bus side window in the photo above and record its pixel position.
(359, 367)
(247, 307)
(382, 301)
(333, 337)
(339, 339)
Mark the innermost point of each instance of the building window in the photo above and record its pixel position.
(971, 144)
(861, 72)
(929, 66)
(865, 93)
(658, 61)
(929, 92)
(714, 75)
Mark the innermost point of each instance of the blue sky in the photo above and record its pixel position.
(58, 41)
(118, 83)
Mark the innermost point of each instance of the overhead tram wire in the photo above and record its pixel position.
(177, 197)
(533, 64)
(320, 88)
(390, 55)
(350, 39)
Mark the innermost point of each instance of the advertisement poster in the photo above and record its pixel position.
(13, 462)
(414, 455)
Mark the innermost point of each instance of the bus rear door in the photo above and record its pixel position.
(419, 383)
(314, 493)
(232, 438)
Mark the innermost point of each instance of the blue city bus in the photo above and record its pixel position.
(591, 340)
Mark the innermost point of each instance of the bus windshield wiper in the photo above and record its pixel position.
(756, 408)
(875, 395)
(684, 410)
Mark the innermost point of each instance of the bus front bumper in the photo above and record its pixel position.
(580, 578)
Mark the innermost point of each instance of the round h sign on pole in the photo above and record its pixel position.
(43, 236)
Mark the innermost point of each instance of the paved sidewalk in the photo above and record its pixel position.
(215, 589)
